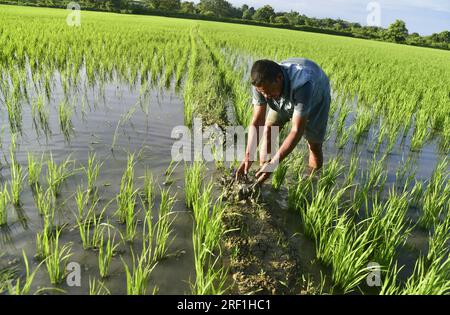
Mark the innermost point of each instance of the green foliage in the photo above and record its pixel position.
(264, 14)
(397, 32)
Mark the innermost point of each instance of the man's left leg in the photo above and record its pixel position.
(315, 155)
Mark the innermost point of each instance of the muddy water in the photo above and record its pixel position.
(100, 127)
(96, 128)
(422, 163)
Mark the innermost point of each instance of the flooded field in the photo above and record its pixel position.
(93, 201)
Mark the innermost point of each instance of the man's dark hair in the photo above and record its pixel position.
(264, 71)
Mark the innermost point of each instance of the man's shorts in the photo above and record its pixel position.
(315, 129)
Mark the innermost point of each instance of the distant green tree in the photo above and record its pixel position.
(163, 5)
(264, 14)
(169, 5)
(292, 17)
(220, 8)
(188, 7)
(443, 37)
(415, 39)
(397, 32)
(152, 4)
(282, 19)
(248, 14)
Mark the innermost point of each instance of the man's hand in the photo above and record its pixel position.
(243, 168)
(264, 172)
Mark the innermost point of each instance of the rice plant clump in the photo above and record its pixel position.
(4, 200)
(193, 179)
(57, 260)
(163, 228)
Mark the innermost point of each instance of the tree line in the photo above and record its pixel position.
(223, 10)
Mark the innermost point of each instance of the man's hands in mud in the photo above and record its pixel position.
(243, 168)
(264, 172)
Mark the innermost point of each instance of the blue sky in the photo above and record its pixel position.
(422, 16)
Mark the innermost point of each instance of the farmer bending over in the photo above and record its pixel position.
(297, 90)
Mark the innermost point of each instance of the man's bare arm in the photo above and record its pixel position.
(259, 115)
(296, 133)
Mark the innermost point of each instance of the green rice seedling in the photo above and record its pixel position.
(163, 228)
(359, 198)
(436, 196)
(41, 112)
(402, 172)
(438, 241)
(343, 113)
(354, 163)
(43, 243)
(375, 177)
(89, 220)
(210, 278)
(204, 219)
(57, 174)
(319, 216)
(46, 204)
(330, 173)
(347, 248)
(17, 288)
(65, 112)
(106, 252)
(131, 221)
(343, 139)
(390, 226)
(4, 200)
(339, 242)
(14, 113)
(429, 278)
(420, 133)
(350, 248)
(17, 180)
(46, 236)
(444, 142)
(91, 239)
(139, 275)
(92, 171)
(390, 284)
(193, 179)
(216, 149)
(362, 124)
(169, 172)
(416, 194)
(97, 288)
(279, 175)
(149, 189)
(34, 170)
(299, 193)
(126, 194)
(81, 199)
(148, 235)
(57, 260)
(382, 132)
(123, 119)
(392, 136)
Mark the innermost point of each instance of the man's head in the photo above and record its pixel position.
(267, 77)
